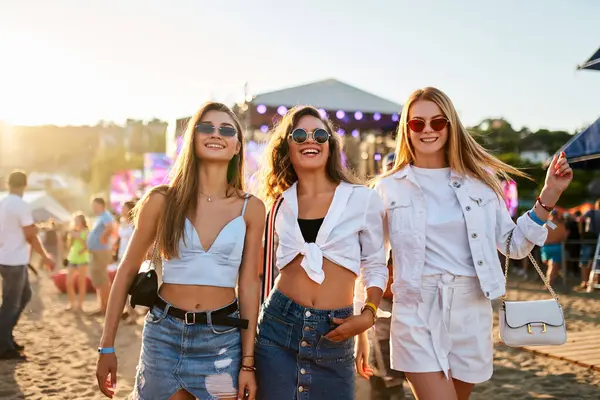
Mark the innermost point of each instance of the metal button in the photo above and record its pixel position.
(308, 314)
(474, 236)
(456, 184)
(303, 344)
(301, 389)
(480, 262)
(303, 371)
(468, 208)
(393, 203)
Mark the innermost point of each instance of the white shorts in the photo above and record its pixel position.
(450, 331)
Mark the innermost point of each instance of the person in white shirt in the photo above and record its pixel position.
(330, 231)
(125, 232)
(446, 218)
(18, 235)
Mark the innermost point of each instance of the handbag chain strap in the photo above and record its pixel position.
(535, 264)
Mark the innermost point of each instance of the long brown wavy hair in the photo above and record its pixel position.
(278, 174)
(182, 191)
(464, 154)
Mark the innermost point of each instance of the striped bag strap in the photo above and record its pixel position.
(269, 250)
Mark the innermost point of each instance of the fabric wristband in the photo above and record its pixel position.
(106, 350)
(535, 218)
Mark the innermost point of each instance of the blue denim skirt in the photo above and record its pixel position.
(203, 359)
(294, 360)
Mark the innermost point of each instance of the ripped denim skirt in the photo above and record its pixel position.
(197, 352)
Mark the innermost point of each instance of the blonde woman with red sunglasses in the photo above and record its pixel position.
(446, 219)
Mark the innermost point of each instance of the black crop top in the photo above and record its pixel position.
(310, 228)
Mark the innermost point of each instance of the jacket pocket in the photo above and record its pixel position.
(399, 216)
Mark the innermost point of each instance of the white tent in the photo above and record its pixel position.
(44, 206)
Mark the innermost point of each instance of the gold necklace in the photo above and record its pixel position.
(208, 196)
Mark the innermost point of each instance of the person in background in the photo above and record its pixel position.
(99, 244)
(53, 241)
(573, 246)
(386, 383)
(552, 252)
(590, 231)
(126, 228)
(18, 236)
(78, 259)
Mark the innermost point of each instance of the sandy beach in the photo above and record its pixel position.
(61, 347)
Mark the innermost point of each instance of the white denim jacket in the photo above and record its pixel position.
(488, 225)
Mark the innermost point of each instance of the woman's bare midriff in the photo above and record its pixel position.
(197, 298)
(336, 291)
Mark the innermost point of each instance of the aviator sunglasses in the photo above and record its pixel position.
(418, 125)
(319, 135)
(225, 131)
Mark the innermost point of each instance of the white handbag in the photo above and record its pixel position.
(534, 322)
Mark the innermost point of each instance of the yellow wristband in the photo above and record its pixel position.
(372, 306)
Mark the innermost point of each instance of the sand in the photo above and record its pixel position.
(61, 347)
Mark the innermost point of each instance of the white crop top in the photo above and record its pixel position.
(217, 266)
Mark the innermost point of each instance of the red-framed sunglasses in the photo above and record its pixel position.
(418, 125)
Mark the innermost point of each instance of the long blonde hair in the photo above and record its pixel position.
(182, 191)
(464, 154)
(278, 174)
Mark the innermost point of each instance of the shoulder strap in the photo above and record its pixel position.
(269, 250)
(535, 264)
(245, 203)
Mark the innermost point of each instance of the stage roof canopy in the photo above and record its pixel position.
(329, 94)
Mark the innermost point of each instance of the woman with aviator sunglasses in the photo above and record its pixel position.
(198, 339)
(330, 231)
(446, 220)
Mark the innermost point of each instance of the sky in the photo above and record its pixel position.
(77, 62)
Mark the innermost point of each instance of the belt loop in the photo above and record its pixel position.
(209, 318)
(166, 309)
(287, 306)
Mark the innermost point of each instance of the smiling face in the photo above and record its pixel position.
(429, 143)
(309, 155)
(213, 145)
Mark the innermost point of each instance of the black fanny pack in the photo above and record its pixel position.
(218, 317)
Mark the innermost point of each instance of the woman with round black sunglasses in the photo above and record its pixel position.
(330, 231)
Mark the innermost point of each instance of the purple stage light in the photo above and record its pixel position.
(340, 114)
(281, 110)
(264, 129)
(377, 157)
(376, 116)
(358, 115)
(341, 132)
(323, 113)
(261, 109)
(395, 117)
(355, 133)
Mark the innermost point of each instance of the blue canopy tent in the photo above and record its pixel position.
(592, 63)
(583, 150)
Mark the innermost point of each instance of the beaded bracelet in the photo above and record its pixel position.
(545, 207)
(248, 368)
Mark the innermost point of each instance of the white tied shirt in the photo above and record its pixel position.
(15, 214)
(351, 235)
(445, 224)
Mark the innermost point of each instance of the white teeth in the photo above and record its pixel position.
(428, 140)
(310, 151)
(214, 146)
